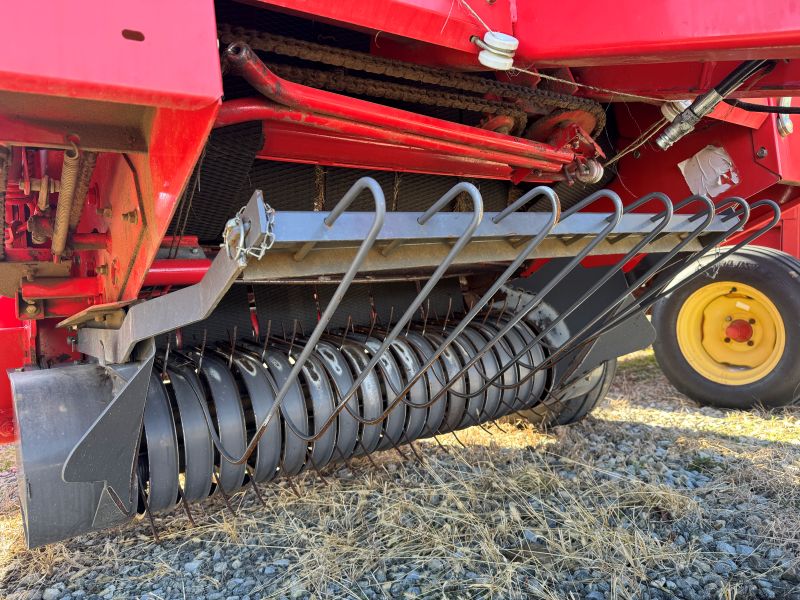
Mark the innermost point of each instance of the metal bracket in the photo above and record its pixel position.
(249, 234)
(77, 470)
(107, 451)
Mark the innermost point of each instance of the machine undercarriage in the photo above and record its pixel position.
(352, 252)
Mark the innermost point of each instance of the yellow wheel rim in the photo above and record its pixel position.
(730, 333)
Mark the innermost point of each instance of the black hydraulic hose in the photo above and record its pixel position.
(739, 75)
(761, 108)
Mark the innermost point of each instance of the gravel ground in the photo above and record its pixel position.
(650, 497)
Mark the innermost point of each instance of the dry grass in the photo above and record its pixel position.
(511, 515)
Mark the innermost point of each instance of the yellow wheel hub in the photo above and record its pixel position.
(730, 333)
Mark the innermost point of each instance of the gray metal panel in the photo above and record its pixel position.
(261, 390)
(53, 510)
(230, 419)
(324, 262)
(198, 452)
(162, 448)
(298, 227)
(293, 411)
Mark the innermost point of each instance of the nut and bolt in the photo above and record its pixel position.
(101, 269)
(104, 212)
(31, 309)
(131, 217)
(762, 152)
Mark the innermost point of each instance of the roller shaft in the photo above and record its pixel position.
(232, 389)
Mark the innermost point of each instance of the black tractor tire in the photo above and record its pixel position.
(571, 411)
(773, 274)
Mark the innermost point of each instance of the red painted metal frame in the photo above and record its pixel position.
(14, 353)
(482, 153)
(665, 49)
(92, 51)
(631, 31)
(443, 23)
(761, 156)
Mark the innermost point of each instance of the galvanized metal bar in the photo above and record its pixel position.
(184, 306)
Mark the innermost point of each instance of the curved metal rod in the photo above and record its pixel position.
(663, 219)
(613, 220)
(478, 306)
(463, 240)
(365, 183)
(401, 395)
(697, 231)
(701, 271)
(650, 297)
(654, 295)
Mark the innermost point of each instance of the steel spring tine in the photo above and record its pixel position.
(613, 221)
(647, 299)
(466, 236)
(659, 290)
(696, 232)
(478, 306)
(365, 183)
(401, 395)
(663, 219)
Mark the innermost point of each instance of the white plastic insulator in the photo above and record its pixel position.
(496, 62)
(498, 50)
(501, 42)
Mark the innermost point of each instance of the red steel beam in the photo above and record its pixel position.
(55, 287)
(537, 156)
(369, 114)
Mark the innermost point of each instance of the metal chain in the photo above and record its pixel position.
(543, 101)
(342, 82)
(234, 237)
